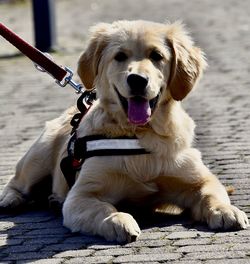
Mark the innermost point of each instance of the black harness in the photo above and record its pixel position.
(80, 149)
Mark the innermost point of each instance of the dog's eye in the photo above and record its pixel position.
(121, 56)
(155, 56)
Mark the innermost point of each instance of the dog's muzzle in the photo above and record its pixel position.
(137, 108)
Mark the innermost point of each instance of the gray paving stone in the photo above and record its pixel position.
(148, 243)
(156, 250)
(228, 261)
(12, 242)
(88, 260)
(147, 257)
(153, 235)
(20, 249)
(43, 261)
(74, 253)
(102, 247)
(218, 255)
(115, 252)
(184, 234)
(62, 247)
(28, 256)
(187, 262)
(48, 231)
(191, 241)
(213, 248)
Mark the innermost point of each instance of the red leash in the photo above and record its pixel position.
(42, 62)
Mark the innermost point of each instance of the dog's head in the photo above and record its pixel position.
(138, 65)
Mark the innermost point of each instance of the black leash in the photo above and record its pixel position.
(84, 103)
(70, 164)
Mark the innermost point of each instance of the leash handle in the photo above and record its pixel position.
(34, 54)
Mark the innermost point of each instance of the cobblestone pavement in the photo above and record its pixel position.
(220, 107)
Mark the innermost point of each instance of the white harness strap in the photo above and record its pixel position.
(80, 149)
(101, 144)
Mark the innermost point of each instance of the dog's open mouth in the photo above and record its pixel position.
(137, 108)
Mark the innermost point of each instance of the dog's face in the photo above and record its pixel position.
(138, 71)
(138, 65)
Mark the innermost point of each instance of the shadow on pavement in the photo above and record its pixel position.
(40, 234)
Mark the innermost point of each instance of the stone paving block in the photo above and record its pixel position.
(186, 262)
(148, 243)
(43, 261)
(184, 234)
(146, 262)
(80, 238)
(42, 240)
(218, 255)
(156, 250)
(147, 258)
(31, 218)
(74, 253)
(154, 235)
(12, 242)
(115, 252)
(230, 240)
(6, 225)
(21, 249)
(48, 231)
(191, 241)
(240, 233)
(90, 260)
(228, 261)
(107, 245)
(28, 256)
(62, 247)
(213, 248)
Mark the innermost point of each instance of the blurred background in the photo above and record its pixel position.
(207, 19)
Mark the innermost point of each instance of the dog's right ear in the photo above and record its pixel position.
(90, 59)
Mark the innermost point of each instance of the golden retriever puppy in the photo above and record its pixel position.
(141, 71)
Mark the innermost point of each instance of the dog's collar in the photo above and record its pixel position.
(80, 149)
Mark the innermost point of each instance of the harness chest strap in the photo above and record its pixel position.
(80, 149)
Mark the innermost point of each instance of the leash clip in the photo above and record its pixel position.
(68, 80)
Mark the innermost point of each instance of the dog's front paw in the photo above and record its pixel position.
(227, 217)
(120, 227)
(11, 199)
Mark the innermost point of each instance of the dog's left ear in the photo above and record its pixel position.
(188, 62)
(90, 59)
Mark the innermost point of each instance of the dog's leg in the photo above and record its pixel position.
(38, 163)
(197, 188)
(30, 170)
(33, 168)
(89, 208)
(91, 215)
(215, 208)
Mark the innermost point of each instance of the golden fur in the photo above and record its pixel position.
(172, 173)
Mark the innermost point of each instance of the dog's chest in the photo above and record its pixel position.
(144, 168)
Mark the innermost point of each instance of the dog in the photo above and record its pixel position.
(141, 71)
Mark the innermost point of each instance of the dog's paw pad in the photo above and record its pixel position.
(120, 227)
(227, 217)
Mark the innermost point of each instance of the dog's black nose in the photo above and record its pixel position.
(137, 84)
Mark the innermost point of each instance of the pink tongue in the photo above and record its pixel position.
(139, 111)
